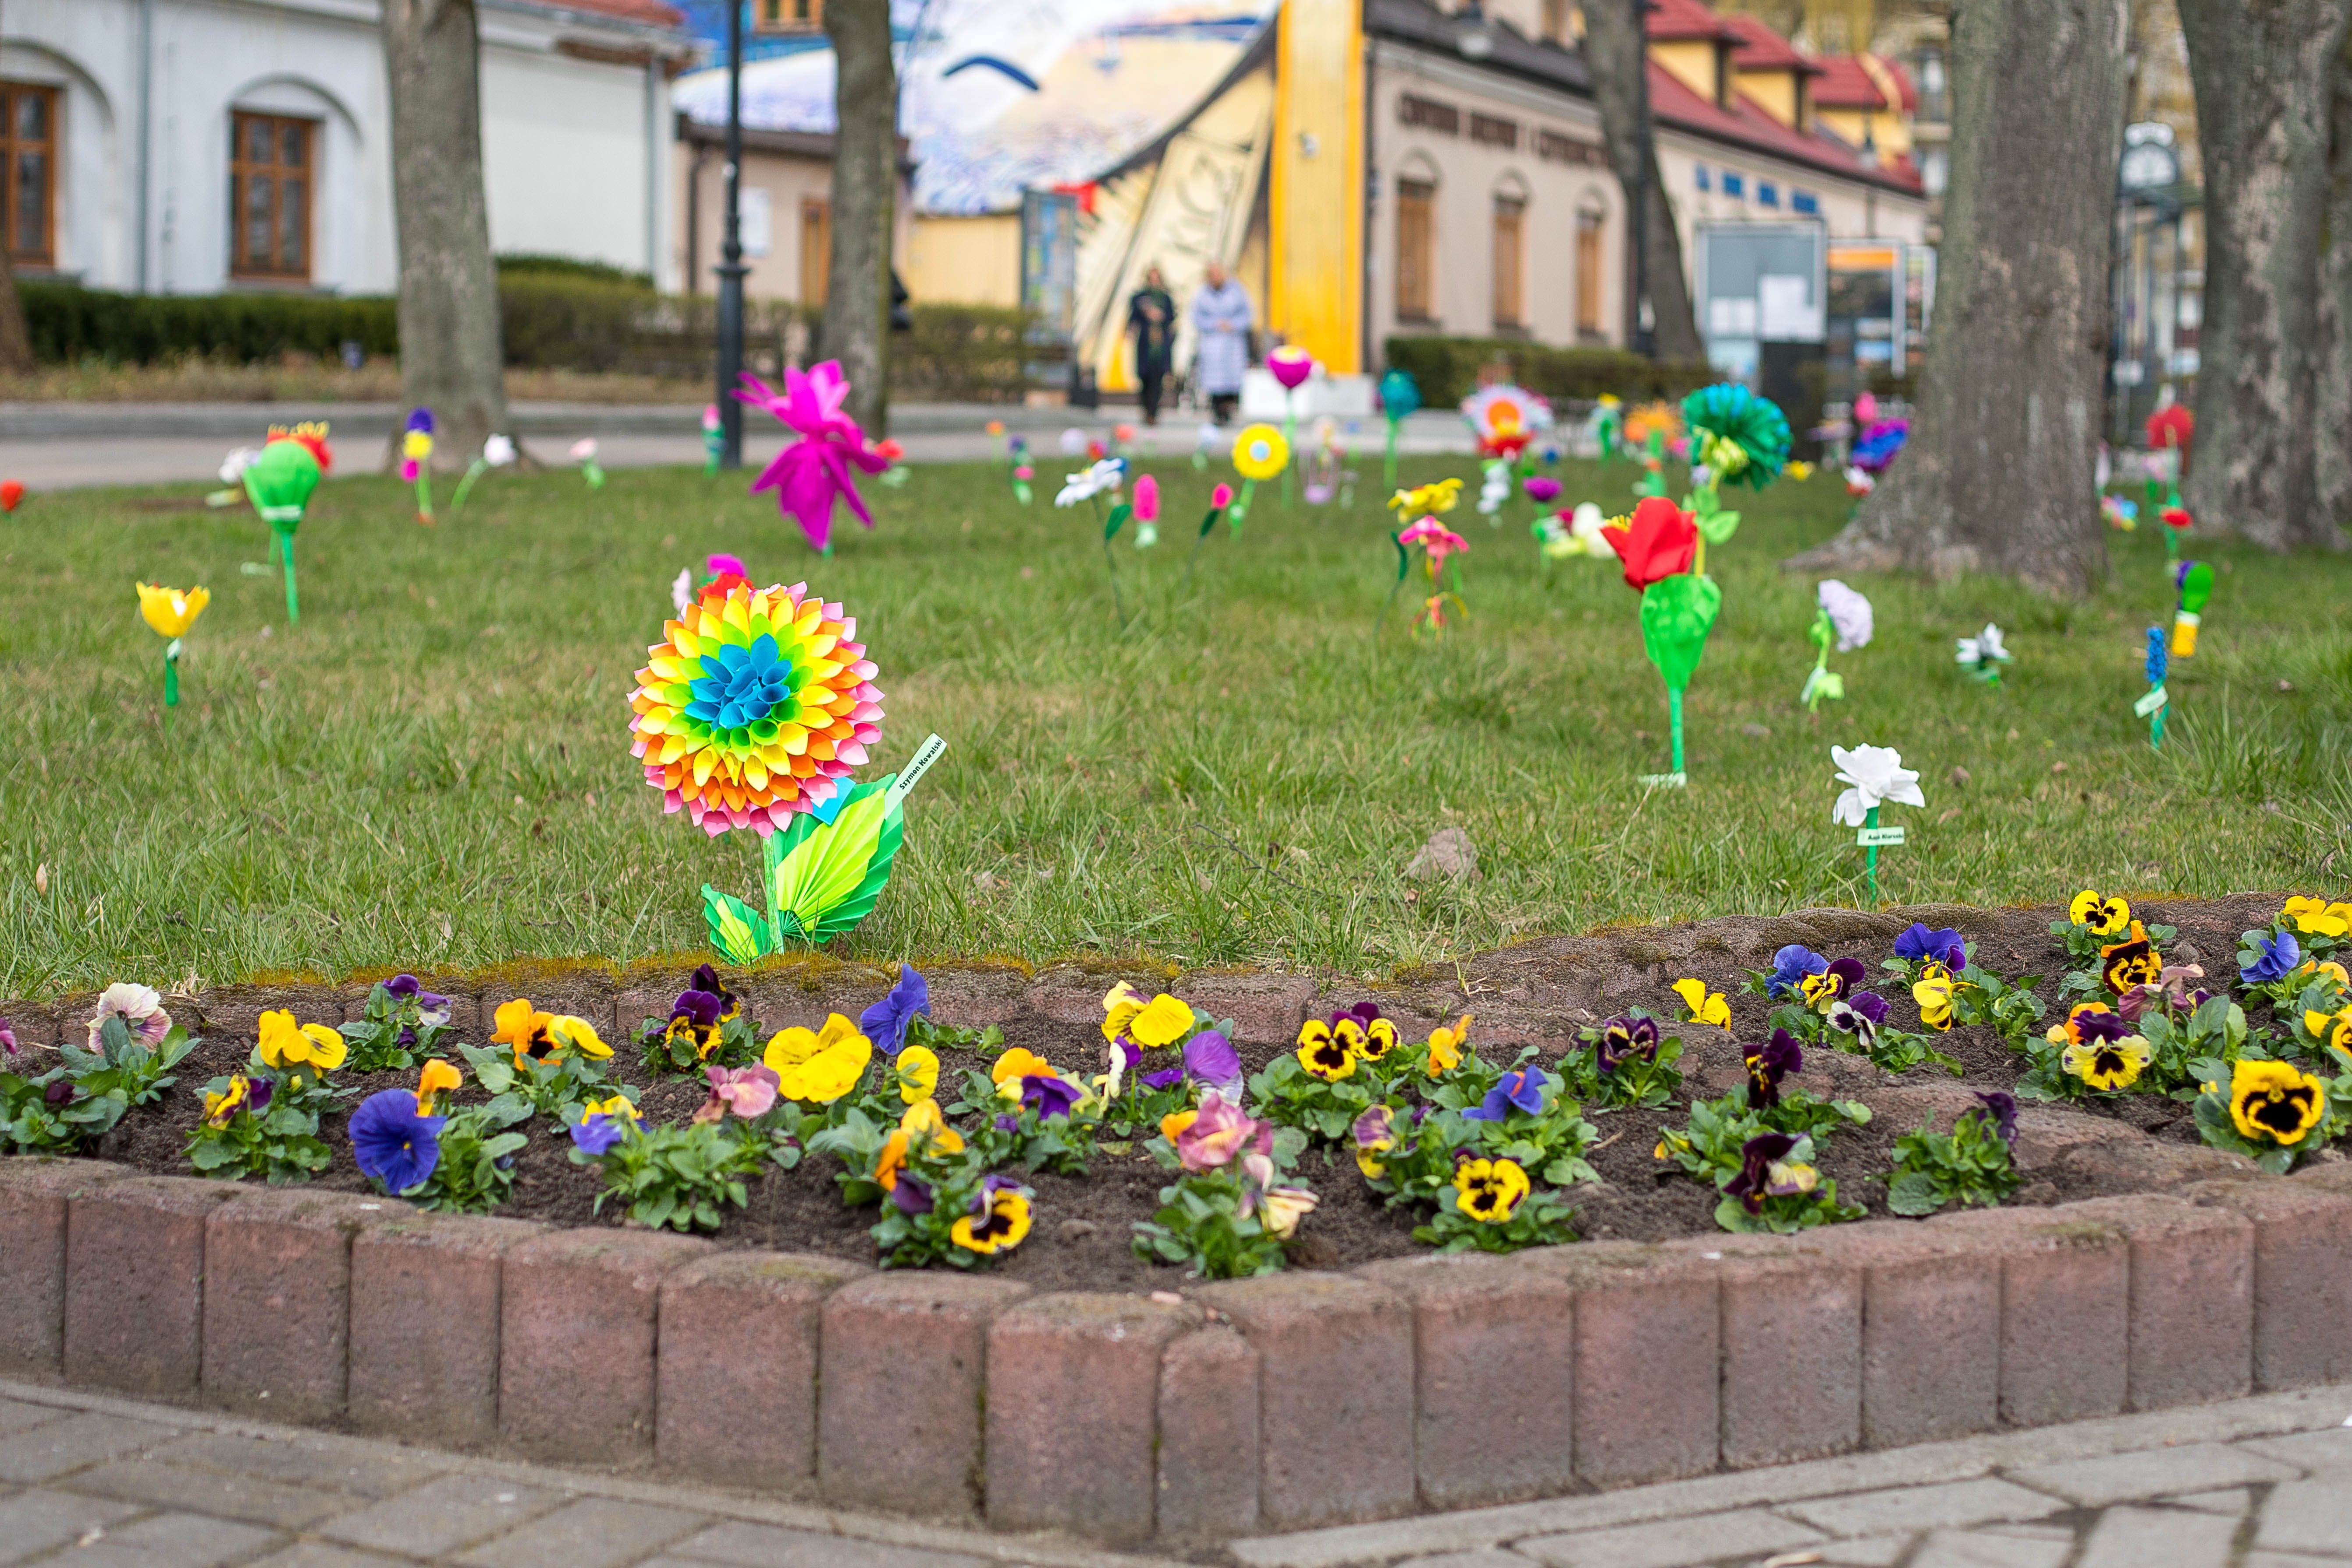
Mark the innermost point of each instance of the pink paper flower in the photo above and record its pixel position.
(1147, 499)
(1291, 366)
(1436, 538)
(1221, 497)
(814, 471)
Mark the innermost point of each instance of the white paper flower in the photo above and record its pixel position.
(233, 466)
(1074, 441)
(1207, 437)
(1849, 613)
(1497, 489)
(1587, 525)
(1858, 482)
(1877, 775)
(681, 592)
(498, 451)
(584, 449)
(1981, 649)
(1107, 475)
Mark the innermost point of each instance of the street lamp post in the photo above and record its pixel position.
(1645, 320)
(731, 267)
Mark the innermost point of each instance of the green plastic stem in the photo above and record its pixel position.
(293, 605)
(1118, 601)
(424, 495)
(171, 681)
(2156, 731)
(1869, 855)
(771, 854)
(1238, 512)
(1674, 718)
(1388, 468)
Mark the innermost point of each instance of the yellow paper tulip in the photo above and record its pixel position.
(172, 610)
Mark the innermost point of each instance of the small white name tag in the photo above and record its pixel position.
(1873, 837)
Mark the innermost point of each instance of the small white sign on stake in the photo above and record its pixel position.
(2156, 697)
(1873, 837)
(1662, 780)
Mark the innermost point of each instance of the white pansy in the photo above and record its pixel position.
(1876, 775)
(1849, 613)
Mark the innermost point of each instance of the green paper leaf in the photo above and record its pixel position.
(1719, 526)
(738, 931)
(829, 874)
(1118, 520)
(2197, 586)
(1676, 615)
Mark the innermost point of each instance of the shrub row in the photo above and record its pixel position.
(1447, 369)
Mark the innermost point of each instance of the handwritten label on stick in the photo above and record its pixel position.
(1876, 837)
(2156, 697)
(930, 751)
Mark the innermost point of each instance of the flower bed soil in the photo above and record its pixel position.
(1536, 993)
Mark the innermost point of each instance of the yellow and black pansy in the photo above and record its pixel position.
(2102, 1056)
(2132, 961)
(2275, 1102)
(1326, 1053)
(2107, 917)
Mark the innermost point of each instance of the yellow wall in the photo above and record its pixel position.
(963, 260)
(1891, 137)
(1692, 60)
(1315, 284)
(1775, 92)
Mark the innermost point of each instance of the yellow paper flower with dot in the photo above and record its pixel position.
(1260, 452)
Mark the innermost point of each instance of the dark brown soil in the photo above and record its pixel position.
(1536, 993)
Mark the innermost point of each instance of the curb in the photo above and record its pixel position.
(1298, 1400)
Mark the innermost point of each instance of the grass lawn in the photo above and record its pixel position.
(433, 770)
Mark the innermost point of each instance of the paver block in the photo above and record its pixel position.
(74, 1442)
(34, 1521)
(2193, 1298)
(153, 1485)
(1791, 1346)
(1494, 1377)
(278, 1277)
(2327, 1453)
(2065, 1356)
(2303, 1277)
(322, 1461)
(2157, 1472)
(975, 998)
(2307, 1516)
(1209, 1465)
(1745, 1533)
(464, 1510)
(174, 1540)
(34, 1192)
(326, 1554)
(2158, 1538)
(1073, 1404)
(1930, 1333)
(135, 1283)
(774, 1546)
(427, 1304)
(1334, 1429)
(588, 1532)
(577, 1338)
(1988, 1549)
(904, 1360)
(1951, 1505)
(739, 1365)
(1648, 1343)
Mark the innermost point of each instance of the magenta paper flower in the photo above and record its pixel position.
(1291, 366)
(1436, 538)
(814, 471)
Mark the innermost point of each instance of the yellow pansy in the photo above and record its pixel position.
(578, 1034)
(2317, 917)
(284, 1043)
(818, 1067)
(169, 610)
(1173, 1125)
(219, 1108)
(1017, 1064)
(526, 1029)
(1706, 1007)
(1488, 1190)
(1933, 992)
(2107, 1064)
(1163, 1021)
(1329, 1057)
(2105, 916)
(918, 1073)
(2274, 1102)
(1445, 1046)
(2332, 1030)
(1000, 1229)
(436, 1078)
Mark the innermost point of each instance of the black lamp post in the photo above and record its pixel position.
(731, 267)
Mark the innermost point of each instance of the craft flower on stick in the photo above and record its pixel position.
(820, 468)
(416, 461)
(2193, 581)
(583, 452)
(169, 611)
(1260, 452)
(1982, 655)
(1872, 775)
(279, 482)
(1399, 399)
(1842, 620)
(1437, 543)
(497, 452)
(1505, 419)
(1658, 545)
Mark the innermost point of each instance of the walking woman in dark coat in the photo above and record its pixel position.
(1151, 322)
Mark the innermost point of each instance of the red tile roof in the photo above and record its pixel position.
(650, 13)
(1845, 84)
(1762, 49)
(1674, 19)
(1746, 124)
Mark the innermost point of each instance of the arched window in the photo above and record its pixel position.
(1510, 246)
(1592, 227)
(1416, 240)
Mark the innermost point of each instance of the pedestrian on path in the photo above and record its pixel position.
(1151, 322)
(1221, 315)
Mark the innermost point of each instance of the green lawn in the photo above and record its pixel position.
(433, 770)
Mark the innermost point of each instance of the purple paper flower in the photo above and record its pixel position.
(1767, 1064)
(1623, 1038)
(2000, 1106)
(1792, 964)
(1523, 1089)
(1166, 1080)
(1048, 1096)
(2281, 955)
(1211, 1057)
(421, 420)
(7, 1039)
(1942, 946)
(885, 1023)
(911, 1195)
(393, 1145)
(1541, 489)
(1755, 1182)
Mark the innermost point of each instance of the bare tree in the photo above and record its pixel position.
(865, 203)
(1999, 472)
(2262, 70)
(1615, 48)
(2331, 426)
(15, 342)
(451, 357)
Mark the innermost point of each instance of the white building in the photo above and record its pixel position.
(193, 146)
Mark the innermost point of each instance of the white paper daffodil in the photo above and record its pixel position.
(1849, 613)
(1106, 475)
(1586, 526)
(498, 451)
(1981, 649)
(1877, 775)
(1497, 489)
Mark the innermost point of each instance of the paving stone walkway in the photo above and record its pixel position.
(89, 1481)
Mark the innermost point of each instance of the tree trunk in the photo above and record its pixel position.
(2000, 474)
(1619, 57)
(2262, 70)
(2332, 428)
(865, 204)
(451, 357)
(16, 343)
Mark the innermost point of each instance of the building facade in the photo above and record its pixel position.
(193, 146)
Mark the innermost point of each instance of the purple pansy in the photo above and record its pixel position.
(1754, 1183)
(1168, 1079)
(1523, 1090)
(1767, 1064)
(1942, 946)
(1792, 964)
(699, 1008)
(885, 1023)
(61, 1093)
(2281, 955)
(1211, 1057)
(1624, 1038)
(393, 1145)
(2000, 1106)
(1048, 1095)
(1008, 1122)
(911, 1195)
(260, 1090)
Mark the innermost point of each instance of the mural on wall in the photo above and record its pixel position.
(997, 96)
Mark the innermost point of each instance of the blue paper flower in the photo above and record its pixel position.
(2160, 657)
(393, 1145)
(2280, 956)
(885, 1023)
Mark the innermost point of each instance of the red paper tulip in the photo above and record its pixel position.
(2176, 517)
(11, 492)
(2173, 427)
(1661, 541)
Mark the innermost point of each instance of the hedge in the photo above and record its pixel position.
(566, 319)
(1447, 369)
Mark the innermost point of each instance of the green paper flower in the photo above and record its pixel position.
(1676, 615)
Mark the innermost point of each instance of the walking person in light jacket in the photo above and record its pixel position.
(1221, 315)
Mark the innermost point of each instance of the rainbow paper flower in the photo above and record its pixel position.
(756, 706)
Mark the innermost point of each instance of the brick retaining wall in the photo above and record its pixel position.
(1301, 1399)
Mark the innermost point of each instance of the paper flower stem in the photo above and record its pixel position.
(1118, 601)
(771, 854)
(1290, 440)
(1869, 855)
(712, 441)
(473, 470)
(1388, 466)
(1698, 558)
(1021, 491)
(172, 673)
(592, 473)
(293, 604)
(1240, 508)
(424, 495)
(1674, 723)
